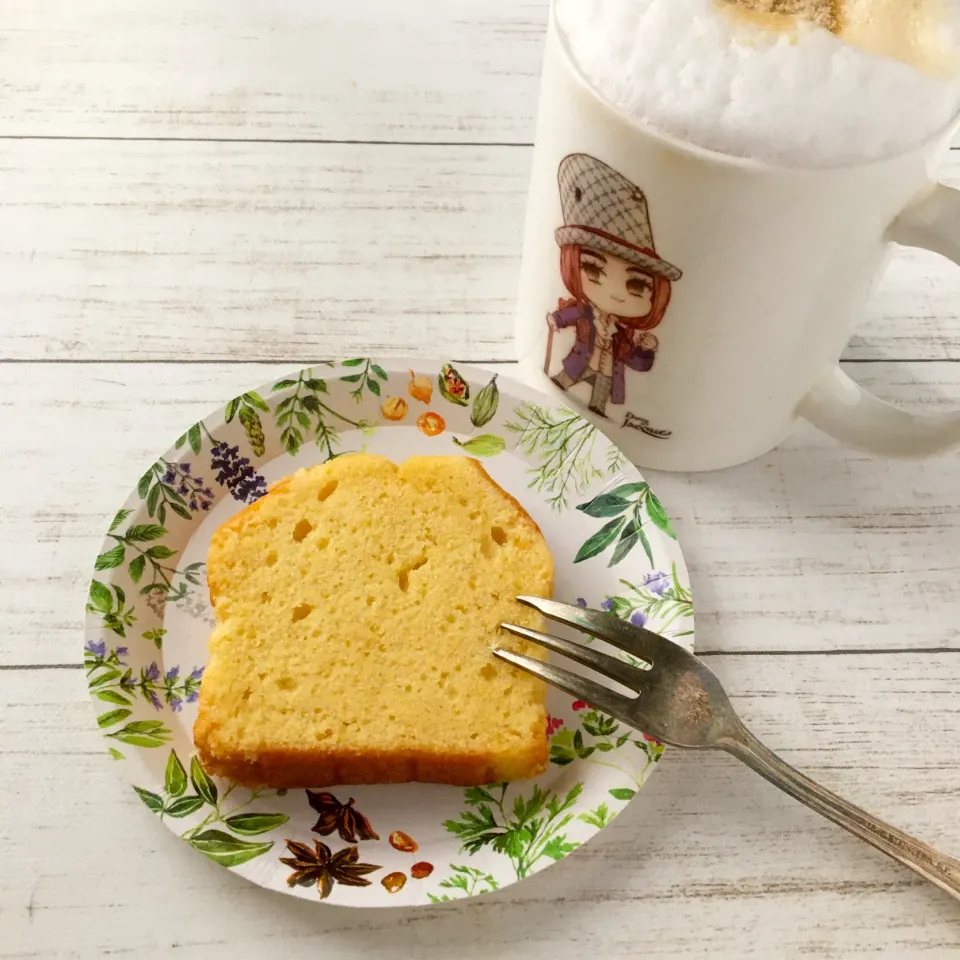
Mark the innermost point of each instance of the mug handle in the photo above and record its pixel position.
(844, 410)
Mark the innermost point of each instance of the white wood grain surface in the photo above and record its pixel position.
(195, 198)
(432, 71)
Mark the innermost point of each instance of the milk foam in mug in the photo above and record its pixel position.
(715, 186)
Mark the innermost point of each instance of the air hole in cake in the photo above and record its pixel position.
(301, 611)
(301, 530)
(488, 671)
(323, 543)
(403, 576)
(326, 490)
(287, 683)
(370, 601)
(272, 522)
(391, 557)
(498, 535)
(271, 558)
(265, 597)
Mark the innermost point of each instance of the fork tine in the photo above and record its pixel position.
(601, 662)
(595, 694)
(625, 636)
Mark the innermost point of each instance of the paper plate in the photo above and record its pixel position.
(148, 619)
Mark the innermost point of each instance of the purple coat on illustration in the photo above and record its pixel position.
(625, 352)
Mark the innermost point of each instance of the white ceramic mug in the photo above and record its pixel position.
(745, 283)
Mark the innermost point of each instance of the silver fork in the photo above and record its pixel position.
(680, 701)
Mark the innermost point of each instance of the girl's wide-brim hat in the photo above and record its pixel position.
(603, 210)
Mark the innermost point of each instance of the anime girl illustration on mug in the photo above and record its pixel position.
(620, 288)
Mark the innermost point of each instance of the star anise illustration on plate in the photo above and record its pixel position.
(323, 868)
(349, 822)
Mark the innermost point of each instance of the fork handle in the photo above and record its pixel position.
(938, 868)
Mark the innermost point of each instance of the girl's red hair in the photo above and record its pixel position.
(570, 273)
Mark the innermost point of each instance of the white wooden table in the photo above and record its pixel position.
(196, 196)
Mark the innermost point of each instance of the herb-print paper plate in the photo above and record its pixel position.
(148, 619)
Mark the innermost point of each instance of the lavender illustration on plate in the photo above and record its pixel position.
(236, 473)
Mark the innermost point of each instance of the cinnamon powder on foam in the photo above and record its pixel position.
(917, 32)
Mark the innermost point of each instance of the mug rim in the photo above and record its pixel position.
(948, 129)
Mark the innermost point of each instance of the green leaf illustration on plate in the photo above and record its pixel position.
(183, 807)
(227, 850)
(598, 817)
(170, 485)
(563, 441)
(486, 445)
(485, 404)
(525, 834)
(110, 603)
(367, 378)
(225, 846)
(628, 504)
(112, 717)
(152, 800)
(111, 680)
(245, 407)
(660, 602)
(596, 739)
(162, 576)
(202, 782)
(303, 413)
(143, 733)
(253, 824)
(175, 779)
(600, 540)
(193, 437)
(119, 517)
(470, 880)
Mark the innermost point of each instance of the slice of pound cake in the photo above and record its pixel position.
(357, 604)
